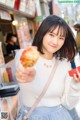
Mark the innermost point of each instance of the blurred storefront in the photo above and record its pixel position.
(17, 17)
(42, 11)
(44, 7)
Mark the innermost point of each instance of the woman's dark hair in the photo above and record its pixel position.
(9, 36)
(69, 48)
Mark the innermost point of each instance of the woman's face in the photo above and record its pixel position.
(52, 42)
(14, 39)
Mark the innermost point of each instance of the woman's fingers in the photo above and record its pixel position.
(25, 74)
(77, 77)
(78, 73)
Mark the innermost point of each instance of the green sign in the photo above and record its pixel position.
(68, 1)
(39, 18)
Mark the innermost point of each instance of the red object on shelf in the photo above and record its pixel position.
(17, 4)
(9, 71)
(73, 71)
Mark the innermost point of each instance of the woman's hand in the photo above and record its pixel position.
(25, 74)
(77, 77)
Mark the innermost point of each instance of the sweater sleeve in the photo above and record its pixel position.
(71, 94)
(17, 57)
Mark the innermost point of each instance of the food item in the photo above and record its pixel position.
(73, 71)
(29, 57)
(5, 76)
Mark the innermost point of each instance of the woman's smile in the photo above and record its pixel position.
(53, 45)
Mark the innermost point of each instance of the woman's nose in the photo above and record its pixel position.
(55, 41)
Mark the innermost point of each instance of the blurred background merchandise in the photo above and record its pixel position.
(67, 9)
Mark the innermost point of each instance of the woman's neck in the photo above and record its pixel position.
(49, 57)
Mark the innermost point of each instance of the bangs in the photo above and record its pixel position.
(61, 30)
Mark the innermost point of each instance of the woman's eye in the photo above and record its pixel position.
(51, 35)
(61, 38)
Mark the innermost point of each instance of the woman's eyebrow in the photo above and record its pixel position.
(57, 34)
(62, 36)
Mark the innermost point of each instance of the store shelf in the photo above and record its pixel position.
(14, 11)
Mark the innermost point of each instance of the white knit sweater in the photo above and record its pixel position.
(62, 90)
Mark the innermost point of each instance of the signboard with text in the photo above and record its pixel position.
(68, 1)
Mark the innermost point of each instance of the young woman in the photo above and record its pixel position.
(55, 41)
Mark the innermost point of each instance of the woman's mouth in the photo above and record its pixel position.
(53, 45)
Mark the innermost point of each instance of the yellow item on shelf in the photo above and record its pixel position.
(5, 76)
